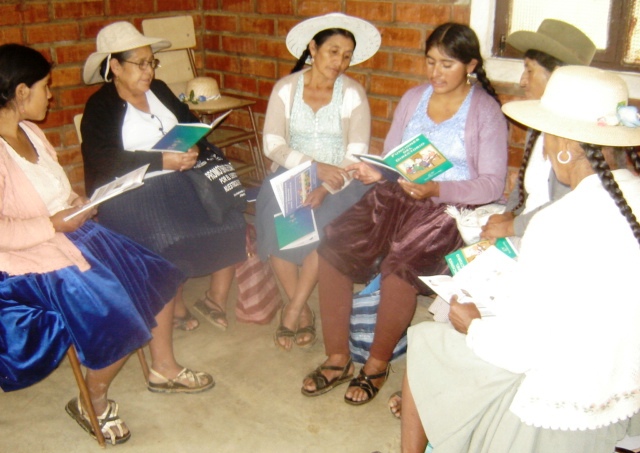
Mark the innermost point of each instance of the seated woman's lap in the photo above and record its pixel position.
(106, 311)
(388, 232)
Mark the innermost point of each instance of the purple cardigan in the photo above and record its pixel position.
(485, 140)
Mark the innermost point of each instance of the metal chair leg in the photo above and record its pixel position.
(85, 399)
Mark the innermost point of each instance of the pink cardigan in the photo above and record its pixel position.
(28, 241)
(485, 138)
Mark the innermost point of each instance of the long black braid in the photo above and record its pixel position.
(526, 155)
(634, 157)
(602, 169)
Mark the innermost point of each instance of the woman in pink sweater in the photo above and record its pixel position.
(66, 282)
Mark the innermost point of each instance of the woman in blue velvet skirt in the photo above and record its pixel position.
(70, 281)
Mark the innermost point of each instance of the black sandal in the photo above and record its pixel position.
(283, 332)
(363, 381)
(323, 385)
(307, 330)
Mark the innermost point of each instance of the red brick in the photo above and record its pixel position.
(127, 7)
(265, 87)
(66, 76)
(70, 156)
(423, 13)
(380, 108)
(284, 25)
(78, 10)
(239, 6)
(240, 84)
(75, 96)
(53, 32)
(273, 48)
(239, 65)
(274, 7)
(409, 63)
(74, 53)
(381, 61)
(376, 145)
(220, 22)
(390, 86)
(257, 26)
(380, 128)
(239, 45)
(90, 29)
(34, 12)
(372, 11)
(404, 37)
(515, 156)
(11, 34)
(177, 5)
(318, 7)
(212, 42)
(461, 14)
(10, 15)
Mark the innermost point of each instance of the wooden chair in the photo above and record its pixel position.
(84, 390)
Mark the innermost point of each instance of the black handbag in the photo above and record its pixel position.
(217, 184)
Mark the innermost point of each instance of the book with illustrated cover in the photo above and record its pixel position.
(116, 187)
(463, 256)
(183, 136)
(297, 229)
(292, 187)
(416, 160)
(477, 282)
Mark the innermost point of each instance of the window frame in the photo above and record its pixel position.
(508, 70)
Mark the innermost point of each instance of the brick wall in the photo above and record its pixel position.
(240, 43)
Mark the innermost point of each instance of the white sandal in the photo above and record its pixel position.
(202, 381)
(110, 423)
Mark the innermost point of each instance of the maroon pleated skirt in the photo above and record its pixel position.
(389, 232)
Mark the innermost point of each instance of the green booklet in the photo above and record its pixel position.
(297, 229)
(461, 257)
(416, 160)
(183, 136)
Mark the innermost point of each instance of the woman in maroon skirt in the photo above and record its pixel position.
(401, 229)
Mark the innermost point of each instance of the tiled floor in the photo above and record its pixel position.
(256, 405)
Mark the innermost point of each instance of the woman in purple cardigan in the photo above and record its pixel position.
(401, 229)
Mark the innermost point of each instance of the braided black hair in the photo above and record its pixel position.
(634, 157)
(602, 169)
(526, 155)
(460, 42)
(319, 39)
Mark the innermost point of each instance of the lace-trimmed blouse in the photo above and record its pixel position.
(318, 134)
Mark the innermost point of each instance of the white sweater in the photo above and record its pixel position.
(569, 315)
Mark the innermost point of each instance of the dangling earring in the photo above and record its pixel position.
(565, 160)
(472, 77)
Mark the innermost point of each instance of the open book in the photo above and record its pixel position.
(183, 136)
(463, 256)
(416, 160)
(292, 187)
(116, 187)
(477, 282)
(297, 229)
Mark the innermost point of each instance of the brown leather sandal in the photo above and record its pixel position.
(212, 311)
(363, 381)
(323, 385)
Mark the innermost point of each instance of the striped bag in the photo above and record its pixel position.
(258, 293)
(363, 323)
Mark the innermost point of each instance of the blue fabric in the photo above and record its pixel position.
(107, 311)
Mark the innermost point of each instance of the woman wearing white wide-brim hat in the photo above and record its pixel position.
(557, 368)
(315, 114)
(128, 115)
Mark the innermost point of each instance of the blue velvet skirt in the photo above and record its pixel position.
(107, 311)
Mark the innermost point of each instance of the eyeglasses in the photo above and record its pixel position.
(144, 64)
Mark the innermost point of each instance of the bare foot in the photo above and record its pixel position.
(395, 404)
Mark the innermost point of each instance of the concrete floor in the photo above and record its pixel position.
(256, 405)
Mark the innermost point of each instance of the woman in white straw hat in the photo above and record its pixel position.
(315, 114)
(129, 113)
(554, 44)
(71, 281)
(401, 229)
(557, 368)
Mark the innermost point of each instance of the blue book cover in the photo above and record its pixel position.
(297, 229)
(183, 136)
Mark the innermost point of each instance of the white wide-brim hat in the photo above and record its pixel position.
(114, 38)
(579, 103)
(367, 36)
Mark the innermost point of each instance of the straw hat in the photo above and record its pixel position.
(203, 88)
(114, 38)
(367, 36)
(580, 103)
(558, 39)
